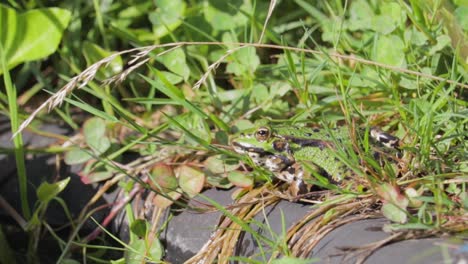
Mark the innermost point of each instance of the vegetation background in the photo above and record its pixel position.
(171, 80)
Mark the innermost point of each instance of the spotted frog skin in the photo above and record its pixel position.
(289, 152)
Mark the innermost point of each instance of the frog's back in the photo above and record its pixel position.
(339, 133)
(325, 158)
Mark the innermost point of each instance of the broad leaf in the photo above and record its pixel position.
(395, 203)
(92, 177)
(243, 61)
(240, 179)
(391, 17)
(394, 213)
(219, 164)
(139, 227)
(164, 201)
(293, 260)
(191, 180)
(77, 156)
(32, 35)
(390, 50)
(176, 63)
(167, 17)
(222, 16)
(142, 254)
(461, 13)
(361, 15)
(94, 131)
(162, 178)
(48, 191)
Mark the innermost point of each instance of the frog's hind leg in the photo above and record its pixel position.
(384, 138)
(294, 175)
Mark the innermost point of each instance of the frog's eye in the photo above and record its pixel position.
(262, 134)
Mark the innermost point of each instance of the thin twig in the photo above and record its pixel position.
(215, 65)
(270, 12)
(13, 213)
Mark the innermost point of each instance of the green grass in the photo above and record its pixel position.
(198, 76)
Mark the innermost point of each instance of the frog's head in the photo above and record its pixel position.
(264, 147)
(256, 140)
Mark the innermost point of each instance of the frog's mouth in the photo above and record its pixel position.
(244, 149)
(261, 157)
(258, 155)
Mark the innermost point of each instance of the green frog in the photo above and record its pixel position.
(294, 154)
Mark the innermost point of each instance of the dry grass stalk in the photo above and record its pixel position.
(307, 233)
(215, 65)
(306, 249)
(361, 253)
(270, 12)
(223, 241)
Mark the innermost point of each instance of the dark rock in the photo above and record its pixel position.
(188, 231)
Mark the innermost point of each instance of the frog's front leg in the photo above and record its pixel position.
(294, 176)
(278, 163)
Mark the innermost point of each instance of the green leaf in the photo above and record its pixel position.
(191, 180)
(240, 179)
(392, 194)
(219, 164)
(164, 201)
(94, 130)
(395, 203)
(293, 260)
(390, 50)
(32, 35)
(392, 16)
(167, 17)
(48, 191)
(361, 15)
(92, 177)
(442, 42)
(218, 181)
(394, 213)
(259, 93)
(138, 227)
(175, 61)
(130, 13)
(142, 254)
(34, 222)
(94, 53)
(226, 16)
(162, 177)
(77, 156)
(243, 61)
(415, 37)
(461, 14)
(172, 78)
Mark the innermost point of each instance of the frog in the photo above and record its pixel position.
(294, 154)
